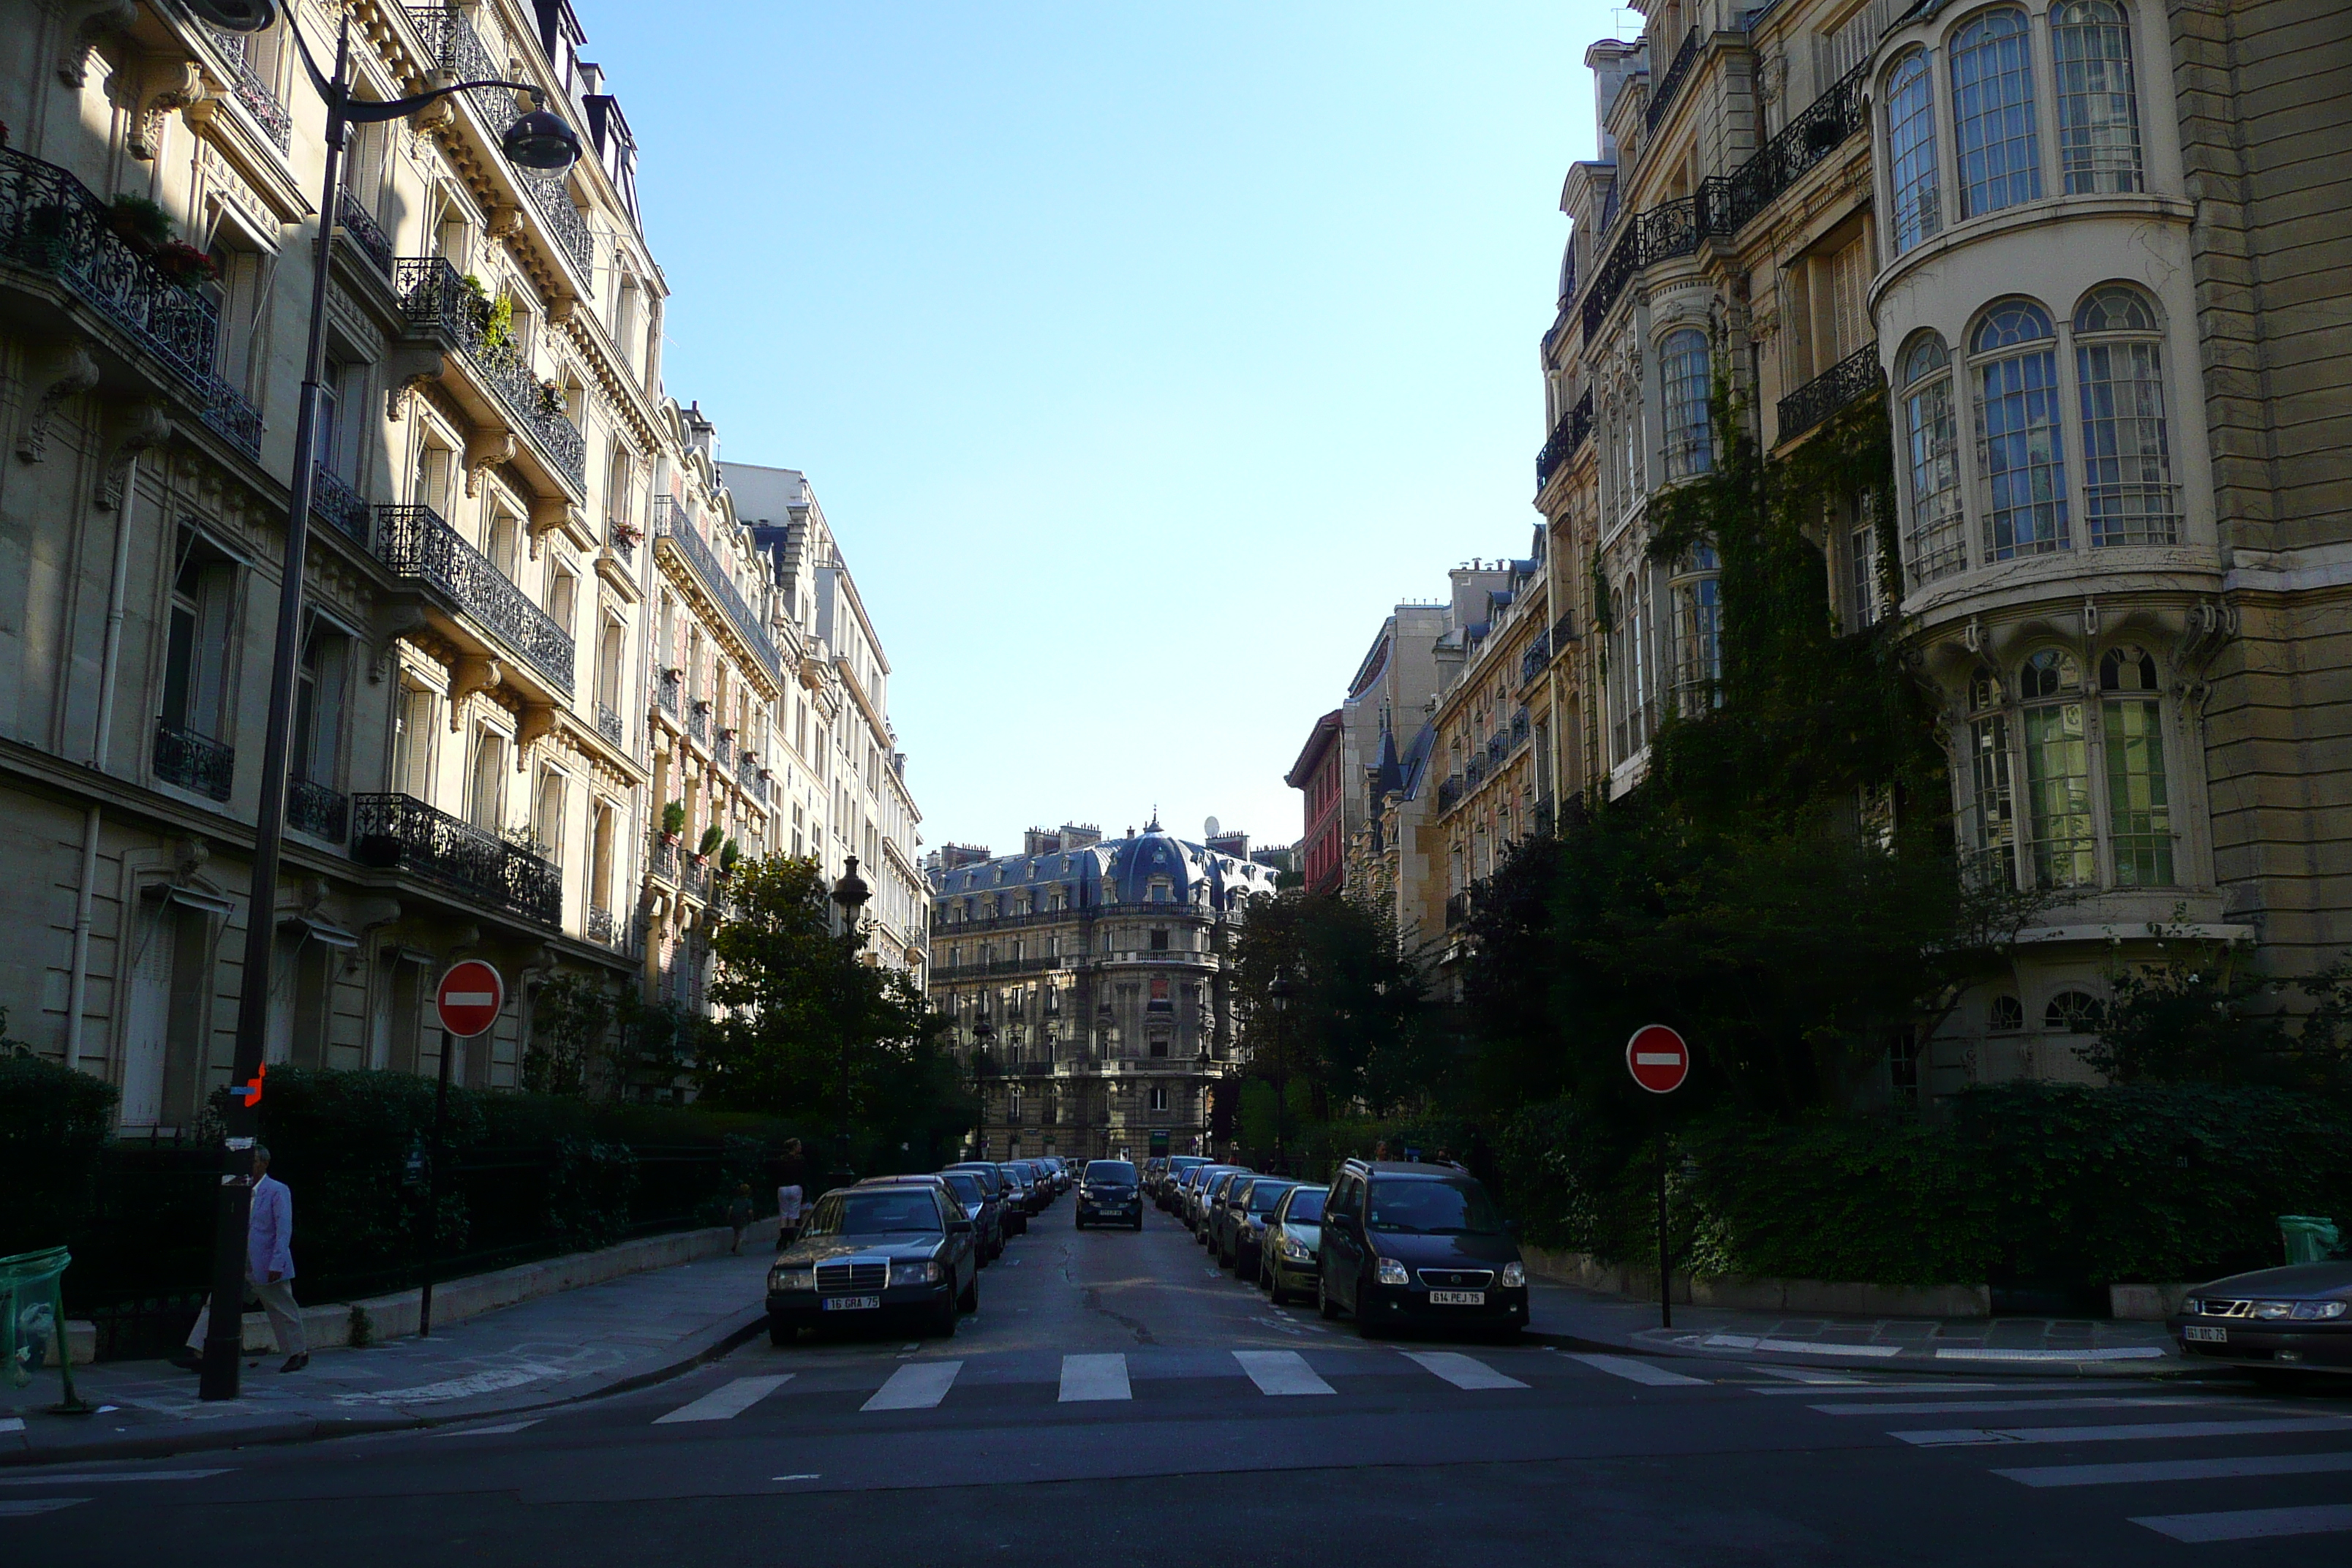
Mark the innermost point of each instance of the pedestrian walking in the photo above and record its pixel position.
(791, 1173)
(739, 1213)
(268, 1273)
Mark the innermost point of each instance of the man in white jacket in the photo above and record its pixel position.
(268, 1272)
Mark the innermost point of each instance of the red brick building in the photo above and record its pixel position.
(1316, 775)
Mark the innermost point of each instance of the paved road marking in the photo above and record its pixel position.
(1939, 1386)
(1094, 1377)
(91, 1478)
(2119, 1352)
(1632, 1368)
(500, 1431)
(918, 1385)
(2178, 1471)
(1807, 1374)
(1954, 1435)
(1281, 1372)
(728, 1400)
(2252, 1523)
(12, 1423)
(1462, 1371)
(1961, 1406)
(37, 1505)
(1795, 1347)
(810, 1476)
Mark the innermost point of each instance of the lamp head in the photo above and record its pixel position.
(850, 893)
(235, 16)
(540, 140)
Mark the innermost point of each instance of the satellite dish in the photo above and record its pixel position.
(1210, 827)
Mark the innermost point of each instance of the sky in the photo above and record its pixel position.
(1143, 355)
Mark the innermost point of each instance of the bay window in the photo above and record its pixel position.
(1993, 114)
(2098, 121)
(2020, 450)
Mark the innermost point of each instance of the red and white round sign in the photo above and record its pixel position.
(1657, 1058)
(470, 997)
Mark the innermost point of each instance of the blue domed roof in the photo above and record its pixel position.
(1153, 868)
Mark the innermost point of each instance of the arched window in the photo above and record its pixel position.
(1683, 361)
(1993, 114)
(2071, 1013)
(2127, 494)
(2021, 448)
(2098, 119)
(1911, 151)
(2005, 1015)
(2139, 807)
(1699, 631)
(2058, 771)
(1931, 446)
(1992, 827)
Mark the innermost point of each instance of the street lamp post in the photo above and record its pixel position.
(538, 139)
(1279, 992)
(851, 893)
(983, 1037)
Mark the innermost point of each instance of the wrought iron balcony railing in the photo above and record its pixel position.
(623, 538)
(609, 725)
(747, 774)
(696, 882)
(1661, 96)
(338, 505)
(666, 694)
(227, 411)
(315, 809)
(671, 522)
(565, 221)
(1457, 909)
(358, 227)
(1537, 658)
(1563, 631)
(51, 223)
(1572, 431)
(722, 751)
(435, 298)
(1449, 793)
(664, 859)
(1848, 382)
(452, 47)
(399, 832)
(414, 542)
(698, 723)
(257, 97)
(193, 762)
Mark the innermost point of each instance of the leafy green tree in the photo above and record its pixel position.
(2208, 1015)
(571, 1016)
(1352, 1028)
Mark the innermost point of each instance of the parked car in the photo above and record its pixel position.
(1010, 1193)
(1110, 1191)
(1204, 1207)
(2297, 1316)
(1245, 1230)
(1060, 1168)
(1164, 1191)
(981, 1208)
(1041, 1186)
(1180, 1190)
(1218, 1230)
(1423, 1245)
(1286, 1249)
(891, 1250)
(1154, 1169)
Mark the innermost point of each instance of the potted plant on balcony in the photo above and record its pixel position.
(673, 820)
(185, 265)
(728, 853)
(710, 839)
(550, 401)
(627, 533)
(140, 223)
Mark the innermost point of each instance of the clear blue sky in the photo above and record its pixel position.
(1142, 355)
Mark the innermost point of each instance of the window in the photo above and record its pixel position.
(563, 594)
(2071, 1013)
(1993, 114)
(1158, 1098)
(1911, 151)
(1862, 568)
(195, 657)
(2127, 495)
(1992, 827)
(547, 816)
(413, 734)
(1160, 942)
(319, 706)
(2058, 771)
(2005, 1015)
(1938, 539)
(2139, 812)
(1699, 631)
(505, 545)
(485, 781)
(1684, 362)
(2020, 450)
(2098, 121)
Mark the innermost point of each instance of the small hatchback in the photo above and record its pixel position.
(1425, 1246)
(1110, 1193)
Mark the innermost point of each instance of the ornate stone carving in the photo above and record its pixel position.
(86, 21)
(484, 450)
(163, 85)
(397, 621)
(467, 676)
(138, 426)
(68, 372)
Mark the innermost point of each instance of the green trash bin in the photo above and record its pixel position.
(33, 1318)
(2308, 1238)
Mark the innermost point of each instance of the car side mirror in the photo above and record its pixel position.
(959, 1227)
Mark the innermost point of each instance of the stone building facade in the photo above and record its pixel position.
(1087, 984)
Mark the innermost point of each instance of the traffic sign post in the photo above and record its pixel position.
(1659, 1059)
(469, 1001)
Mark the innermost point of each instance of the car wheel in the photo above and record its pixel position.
(1139, 1222)
(781, 1333)
(1325, 1306)
(943, 1318)
(1078, 1222)
(970, 1300)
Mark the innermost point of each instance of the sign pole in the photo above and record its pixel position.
(1665, 1283)
(1659, 1059)
(469, 1001)
(433, 1190)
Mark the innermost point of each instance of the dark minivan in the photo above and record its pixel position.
(1418, 1245)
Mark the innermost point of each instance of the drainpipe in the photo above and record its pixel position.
(77, 990)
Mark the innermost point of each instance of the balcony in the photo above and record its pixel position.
(1457, 910)
(666, 694)
(617, 932)
(1661, 97)
(228, 412)
(254, 95)
(338, 505)
(315, 809)
(609, 725)
(1573, 430)
(435, 303)
(723, 752)
(565, 222)
(1536, 659)
(358, 227)
(672, 524)
(193, 762)
(414, 542)
(1449, 793)
(698, 723)
(1563, 631)
(622, 539)
(696, 882)
(401, 833)
(1848, 382)
(748, 775)
(663, 861)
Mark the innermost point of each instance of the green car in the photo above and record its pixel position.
(1286, 1263)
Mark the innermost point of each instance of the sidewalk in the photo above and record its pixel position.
(2066, 1347)
(597, 1340)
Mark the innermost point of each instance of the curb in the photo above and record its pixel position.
(150, 1444)
(2141, 1367)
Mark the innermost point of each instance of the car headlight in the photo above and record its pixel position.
(2274, 1308)
(1514, 1276)
(1394, 1273)
(2193, 1307)
(1296, 1252)
(792, 1279)
(2318, 1310)
(927, 1272)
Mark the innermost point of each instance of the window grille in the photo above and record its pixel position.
(1993, 114)
(2098, 118)
(2021, 448)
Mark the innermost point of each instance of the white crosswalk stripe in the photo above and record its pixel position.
(1951, 1406)
(1090, 1377)
(22, 1507)
(2147, 1471)
(728, 1400)
(1633, 1369)
(98, 1478)
(1281, 1372)
(918, 1385)
(1462, 1371)
(1954, 1437)
(2252, 1523)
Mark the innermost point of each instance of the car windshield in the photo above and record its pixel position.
(875, 1213)
(1186, 1163)
(1432, 1208)
(1265, 1194)
(988, 1179)
(965, 1185)
(1306, 1208)
(1112, 1173)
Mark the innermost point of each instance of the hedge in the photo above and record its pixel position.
(54, 1126)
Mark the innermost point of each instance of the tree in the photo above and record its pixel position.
(1352, 1026)
(2208, 1016)
(570, 1017)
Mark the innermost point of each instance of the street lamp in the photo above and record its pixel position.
(983, 1036)
(538, 139)
(1279, 992)
(851, 893)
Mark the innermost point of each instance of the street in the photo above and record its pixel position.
(1117, 1400)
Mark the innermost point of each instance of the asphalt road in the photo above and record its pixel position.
(1117, 1401)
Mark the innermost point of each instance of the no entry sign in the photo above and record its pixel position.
(1658, 1059)
(470, 998)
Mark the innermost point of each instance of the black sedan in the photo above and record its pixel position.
(1110, 1193)
(1417, 1245)
(899, 1251)
(2299, 1316)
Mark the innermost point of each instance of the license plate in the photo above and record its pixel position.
(852, 1303)
(1457, 1297)
(2206, 1336)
